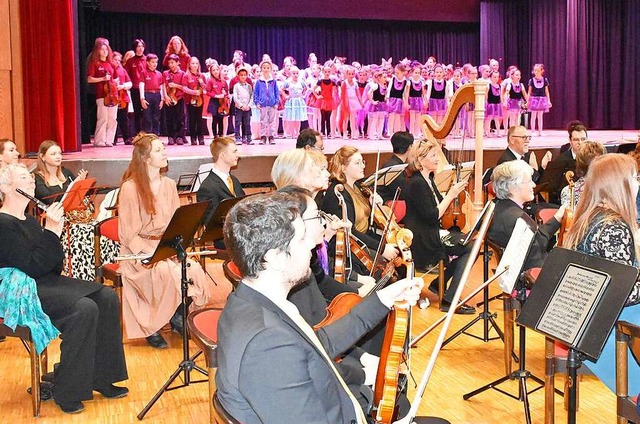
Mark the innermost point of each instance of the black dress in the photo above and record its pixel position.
(50, 194)
(87, 314)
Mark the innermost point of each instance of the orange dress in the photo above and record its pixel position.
(151, 295)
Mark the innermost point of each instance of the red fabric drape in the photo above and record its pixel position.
(48, 62)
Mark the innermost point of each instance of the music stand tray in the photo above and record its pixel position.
(73, 198)
(385, 176)
(213, 229)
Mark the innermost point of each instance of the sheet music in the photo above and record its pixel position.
(514, 255)
(573, 303)
(389, 174)
(444, 178)
(203, 172)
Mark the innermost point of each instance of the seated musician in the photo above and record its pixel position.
(310, 139)
(347, 167)
(273, 367)
(220, 184)
(568, 157)
(308, 169)
(401, 142)
(513, 186)
(9, 153)
(518, 139)
(52, 179)
(587, 151)
(87, 314)
(425, 207)
(605, 225)
(151, 296)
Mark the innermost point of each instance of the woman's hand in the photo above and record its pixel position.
(55, 218)
(82, 174)
(405, 293)
(390, 252)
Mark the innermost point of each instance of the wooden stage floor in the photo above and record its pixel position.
(108, 164)
(462, 366)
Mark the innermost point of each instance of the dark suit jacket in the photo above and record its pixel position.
(505, 216)
(270, 372)
(216, 190)
(508, 155)
(387, 192)
(423, 220)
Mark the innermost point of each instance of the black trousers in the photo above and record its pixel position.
(196, 129)
(151, 115)
(123, 125)
(175, 119)
(137, 111)
(91, 353)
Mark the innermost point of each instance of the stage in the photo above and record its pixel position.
(107, 164)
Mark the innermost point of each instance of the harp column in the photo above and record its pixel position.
(479, 90)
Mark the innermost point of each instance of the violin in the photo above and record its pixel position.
(196, 99)
(567, 219)
(225, 104)
(122, 99)
(343, 254)
(111, 97)
(382, 214)
(453, 216)
(395, 347)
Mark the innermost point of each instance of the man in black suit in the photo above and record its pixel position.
(567, 159)
(518, 139)
(220, 184)
(401, 142)
(272, 366)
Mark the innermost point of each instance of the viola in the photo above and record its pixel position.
(122, 99)
(567, 218)
(111, 97)
(453, 215)
(343, 253)
(172, 94)
(395, 347)
(382, 215)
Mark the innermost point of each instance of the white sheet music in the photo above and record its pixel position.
(515, 255)
(444, 178)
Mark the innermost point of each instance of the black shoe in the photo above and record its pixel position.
(46, 391)
(179, 141)
(128, 141)
(194, 141)
(71, 407)
(201, 140)
(263, 140)
(272, 140)
(112, 392)
(157, 341)
(461, 310)
(176, 322)
(171, 141)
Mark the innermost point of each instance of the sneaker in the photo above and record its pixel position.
(246, 140)
(201, 140)
(112, 392)
(179, 141)
(157, 341)
(263, 140)
(71, 407)
(238, 141)
(272, 140)
(171, 141)
(194, 141)
(128, 141)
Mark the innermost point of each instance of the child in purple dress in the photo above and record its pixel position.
(539, 99)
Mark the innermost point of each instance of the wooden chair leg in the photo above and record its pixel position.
(212, 391)
(35, 379)
(622, 376)
(441, 281)
(549, 381)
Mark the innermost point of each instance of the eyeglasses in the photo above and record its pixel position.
(319, 217)
(315, 147)
(524, 137)
(579, 139)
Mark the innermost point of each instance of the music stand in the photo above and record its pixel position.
(385, 176)
(553, 180)
(486, 316)
(576, 300)
(213, 230)
(179, 233)
(73, 198)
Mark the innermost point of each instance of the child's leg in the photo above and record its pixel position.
(353, 120)
(540, 122)
(498, 123)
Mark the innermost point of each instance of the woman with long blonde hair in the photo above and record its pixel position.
(606, 226)
(147, 201)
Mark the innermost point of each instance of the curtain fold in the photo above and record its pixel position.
(50, 87)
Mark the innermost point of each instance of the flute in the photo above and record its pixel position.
(39, 203)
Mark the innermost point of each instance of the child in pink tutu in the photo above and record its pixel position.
(539, 99)
(415, 94)
(378, 106)
(515, 98)
(395, 102)
(351, 102)
(436, 94)
(493, 108)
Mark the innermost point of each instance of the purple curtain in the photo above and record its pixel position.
(589, 49)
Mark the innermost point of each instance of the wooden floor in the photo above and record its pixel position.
(464, 365)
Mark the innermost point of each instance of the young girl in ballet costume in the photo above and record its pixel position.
(395, 102)
(436, 91)
(470, 130)
(295, 109)
(327, 105)
(351, 102)
(313, 103)
(514, 99)
(378, 108)
(452, 86)
(363, 82)
(494, 104)
(414, 95)
(539, 99)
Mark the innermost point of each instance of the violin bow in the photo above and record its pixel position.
(375, 188)
(385, 231)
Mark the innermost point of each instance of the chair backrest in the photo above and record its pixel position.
(222, 416)
(203, 327)
(232, 272)
(544, 215)
(109, 229)
(399, 209)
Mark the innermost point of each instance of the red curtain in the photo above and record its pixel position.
(48, 61)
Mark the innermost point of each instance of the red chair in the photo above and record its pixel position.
(110, 271)
(232, 272)
(544, 215)
(203, 328)
(38, 362)
(399, 209)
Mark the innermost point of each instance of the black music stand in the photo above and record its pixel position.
(487, 317)
(576, 300)
(213, 228)
(385, 176)
(553, 180)
(179, 233)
